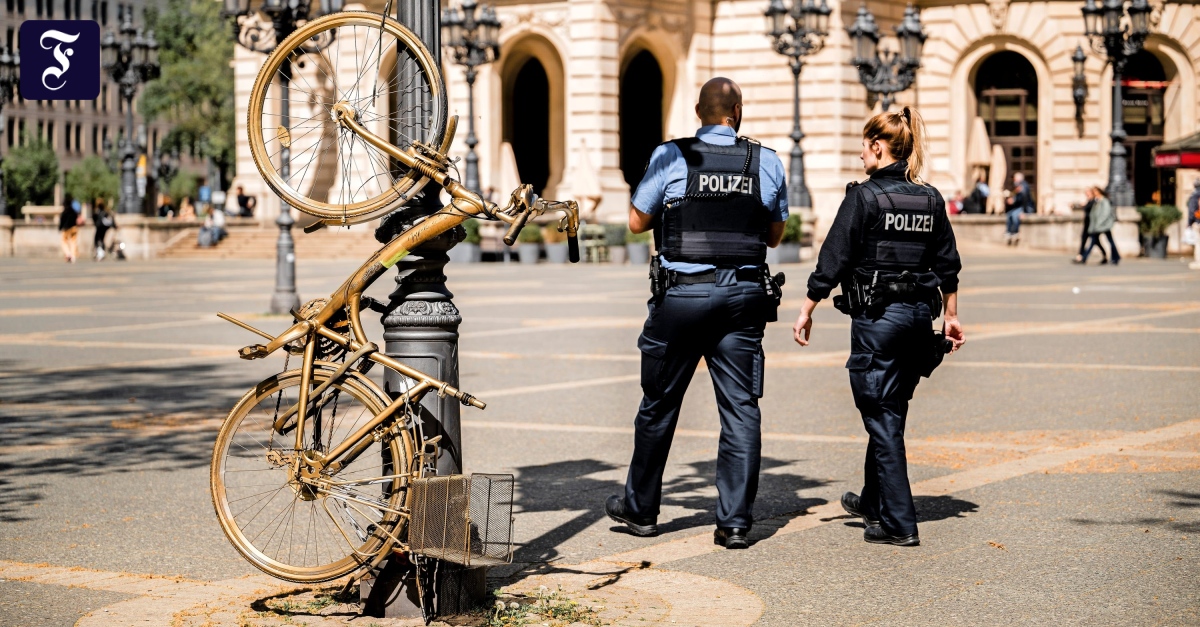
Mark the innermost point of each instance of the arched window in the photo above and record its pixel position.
(529, 131)
(641, 115)
(1145, 85)
(1006, 89)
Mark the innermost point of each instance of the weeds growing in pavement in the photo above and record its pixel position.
(545, 607)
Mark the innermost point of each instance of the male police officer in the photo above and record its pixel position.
(715, 202)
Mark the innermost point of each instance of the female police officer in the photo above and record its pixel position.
(892, 250)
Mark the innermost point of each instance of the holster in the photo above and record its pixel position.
(932, 356)
(658, 280)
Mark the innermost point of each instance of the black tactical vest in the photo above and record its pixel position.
(899, 234)
(721, 219)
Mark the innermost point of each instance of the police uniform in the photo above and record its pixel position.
(891, 249)
(713, 197)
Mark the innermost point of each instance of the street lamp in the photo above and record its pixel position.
(257, 36)
(886, 72)
(1079, 90)
(1110, 37)
(473, 41)
(10, 76)
(797, 33)
(130, 59)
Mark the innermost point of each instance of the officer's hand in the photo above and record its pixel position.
(803, 329)
(954, 332)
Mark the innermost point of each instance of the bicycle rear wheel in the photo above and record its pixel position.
(379, 68)
(288, 528)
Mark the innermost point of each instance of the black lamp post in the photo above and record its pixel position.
(260, 36)
(1079, 90)
(10, 76)
(474, 41)
(1108, 36)
(797, 33)
(886, 72)
(130, 59)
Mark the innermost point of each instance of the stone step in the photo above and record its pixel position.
(260, 243)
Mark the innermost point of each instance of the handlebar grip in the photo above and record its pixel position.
(516, 227)
(573, 248)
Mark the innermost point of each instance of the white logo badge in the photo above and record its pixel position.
(59, 55)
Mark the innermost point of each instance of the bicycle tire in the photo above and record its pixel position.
(304, 193)
(229, 490)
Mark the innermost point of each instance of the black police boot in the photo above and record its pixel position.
(731, 537)
(615, 508)
(876, 535)
(853, 506)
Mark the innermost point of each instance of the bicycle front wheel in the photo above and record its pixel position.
(301, 531)
(380, 69)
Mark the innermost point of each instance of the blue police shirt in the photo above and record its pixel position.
(666, 177)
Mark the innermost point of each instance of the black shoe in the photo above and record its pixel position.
(615, 508)
(853, 506)
(876, 535)
(731, 537)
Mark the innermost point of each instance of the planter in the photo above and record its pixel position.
(529, 253)
(772, 256)
(1156, 246)
(616, 254)
(639, 254)
(556, 253)
(465, 253)
(787, 252)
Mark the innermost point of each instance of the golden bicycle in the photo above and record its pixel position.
(317, 472)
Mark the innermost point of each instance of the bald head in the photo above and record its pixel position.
(720, 103)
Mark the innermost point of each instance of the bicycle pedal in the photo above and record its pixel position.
(255, 351)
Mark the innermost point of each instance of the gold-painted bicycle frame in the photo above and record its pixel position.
(318, 469)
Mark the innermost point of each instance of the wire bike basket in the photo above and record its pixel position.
(465, 519)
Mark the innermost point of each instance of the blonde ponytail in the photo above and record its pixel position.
(904, 131)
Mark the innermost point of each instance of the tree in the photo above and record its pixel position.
(91, 180)
(183, 185)
(195, 89)
(30, 172)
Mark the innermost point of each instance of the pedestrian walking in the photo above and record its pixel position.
(715, 202)
(69, 221)
(891, 249)
(976, 201)
(1019, 202)
(103, 220)
(1193, 217)
(1084, 237)
(1101, 222)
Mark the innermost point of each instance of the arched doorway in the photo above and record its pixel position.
(1144, 84)
(641, 115)
(529, 127)
(1006, 90)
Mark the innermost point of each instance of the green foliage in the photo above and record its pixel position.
(471, 226)
(91, 180)
(614, 234)
(530, 234)
(551, 234)
(184, 184)
(793, 229)
(195, 90)
(1156, 218)
(637, 238)
(545, 607)
(30, 172)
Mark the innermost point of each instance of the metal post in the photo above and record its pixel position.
(797, 188)
(1120, 189)
(285, 298)
(129, 203)
(472, 181)
(421, 330)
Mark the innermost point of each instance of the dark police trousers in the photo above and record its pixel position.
(722, 322)
(883, 376)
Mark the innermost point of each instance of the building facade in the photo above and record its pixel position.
(584, 89)
(76, 128)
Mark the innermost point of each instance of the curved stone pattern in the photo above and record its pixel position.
(424, 313)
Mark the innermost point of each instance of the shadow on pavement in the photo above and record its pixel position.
(107, 420)
(566, 485)
(1182, 500)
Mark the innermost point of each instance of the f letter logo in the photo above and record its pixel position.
(60, 60)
